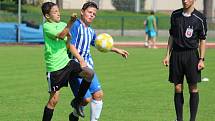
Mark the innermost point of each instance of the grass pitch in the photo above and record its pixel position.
(135, 89)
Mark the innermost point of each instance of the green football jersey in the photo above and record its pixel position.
(56, 56)
(150, 22)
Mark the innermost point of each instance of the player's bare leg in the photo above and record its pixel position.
(154, 42)
(49, 109)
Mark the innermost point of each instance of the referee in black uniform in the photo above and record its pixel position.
(187, 34)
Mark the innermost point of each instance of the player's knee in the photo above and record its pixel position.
(52, 102)
(193, 88)
(178, 88)
(54, 97)
(98, 95)
(86, 101)
(89, 73)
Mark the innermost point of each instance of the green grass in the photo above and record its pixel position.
(142, 39)
(135, 89)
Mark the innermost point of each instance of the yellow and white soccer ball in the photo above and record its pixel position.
(104, 42)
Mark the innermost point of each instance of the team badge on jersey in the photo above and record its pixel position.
(189, 32)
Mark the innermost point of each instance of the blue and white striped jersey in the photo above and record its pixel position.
(82, 38)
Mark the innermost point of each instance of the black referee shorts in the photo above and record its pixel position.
(60, 78)
(184, 63)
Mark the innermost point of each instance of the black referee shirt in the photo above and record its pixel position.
(187, 30)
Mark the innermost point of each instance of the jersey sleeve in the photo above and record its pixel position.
(93, 40)
(172, 25)
(74, 33)
(203, 31)
(51, 30)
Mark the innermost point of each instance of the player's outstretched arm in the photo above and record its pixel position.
(65, 31)
(122, 52)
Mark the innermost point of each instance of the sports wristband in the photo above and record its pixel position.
(203, 59)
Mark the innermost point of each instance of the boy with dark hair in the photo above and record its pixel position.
(187, 33)
(60, 69)
(83, 36)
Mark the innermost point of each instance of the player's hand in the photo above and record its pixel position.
(69, 36)
(74, 16)
(63, 33)
(166, 61)
(72, 20)
(201, 65)
(124, 53)
(83, 63)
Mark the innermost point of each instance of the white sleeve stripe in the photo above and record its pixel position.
(201, 21)
(49, 81)
(176, 12)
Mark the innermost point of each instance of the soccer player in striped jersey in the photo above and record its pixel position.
(83, 37)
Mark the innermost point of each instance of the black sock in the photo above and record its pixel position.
(194, 102)
(83, 88)
(179, 101)
(47, 114)
(72, 117)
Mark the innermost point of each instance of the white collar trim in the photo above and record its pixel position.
(186, 14)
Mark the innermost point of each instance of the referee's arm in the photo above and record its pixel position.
(202, 44)
(168, 52)
(202, 47)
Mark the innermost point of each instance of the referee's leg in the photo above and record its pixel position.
(179, 101)
(194, 101)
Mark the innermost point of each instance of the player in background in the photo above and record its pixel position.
(151, 25)
(60, 68)
(83, 36)
(185, 55)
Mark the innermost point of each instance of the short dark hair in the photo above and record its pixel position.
(152, 12)
(89, 4)
(46, 7)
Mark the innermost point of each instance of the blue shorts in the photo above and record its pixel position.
(94, 87)
(152, 33)
(146, 30)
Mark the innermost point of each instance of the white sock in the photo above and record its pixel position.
(95, 110)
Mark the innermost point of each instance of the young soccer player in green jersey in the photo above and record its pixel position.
(60, 69)
(151, 25)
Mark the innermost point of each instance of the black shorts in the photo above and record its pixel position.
(184, 63)
(60, 78)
